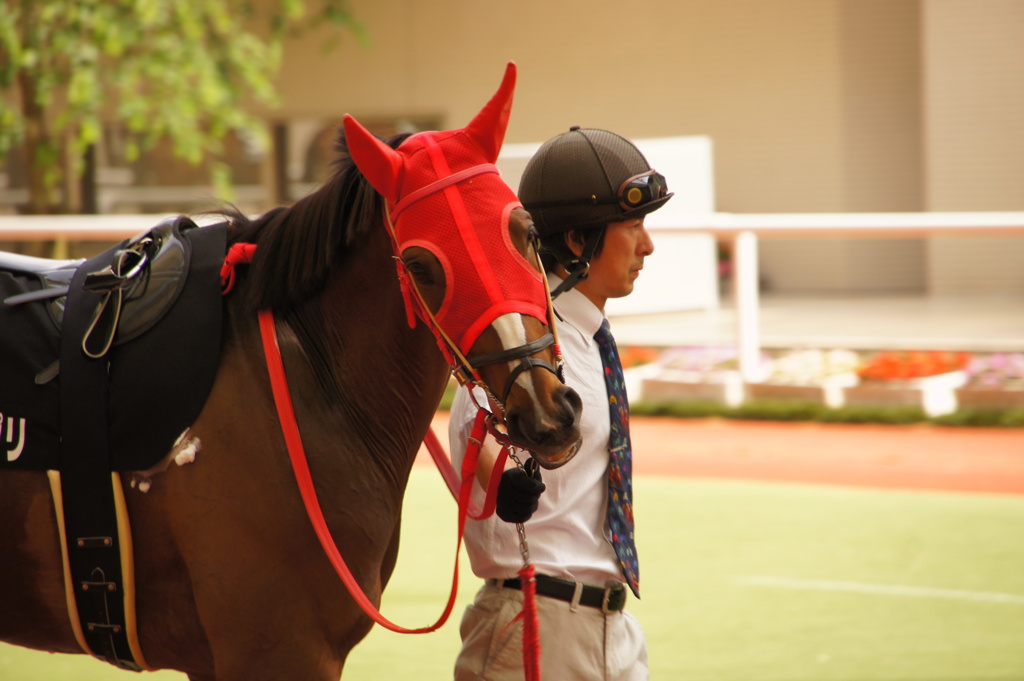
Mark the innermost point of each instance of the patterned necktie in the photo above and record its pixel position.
(620, 474)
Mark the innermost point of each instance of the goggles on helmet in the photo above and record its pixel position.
(641, 189)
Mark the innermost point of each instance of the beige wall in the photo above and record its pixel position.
(974, 104)
(812, 105)
(760, 77)
(878, 165)
(880, 77)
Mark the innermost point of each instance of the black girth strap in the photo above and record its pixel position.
(124, 401)
(93, 546)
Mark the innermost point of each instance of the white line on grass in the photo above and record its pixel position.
(878, 589)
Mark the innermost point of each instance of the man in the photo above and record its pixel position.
(588, 192)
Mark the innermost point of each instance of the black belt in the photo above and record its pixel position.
(607, 599)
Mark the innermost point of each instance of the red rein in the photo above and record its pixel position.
(297, 454)
(460, 487)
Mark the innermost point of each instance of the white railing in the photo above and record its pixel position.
(869, 225)
(746, 229)
(743, 229)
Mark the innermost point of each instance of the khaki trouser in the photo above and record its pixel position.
(580, 645)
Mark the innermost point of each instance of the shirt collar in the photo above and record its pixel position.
(576, 309)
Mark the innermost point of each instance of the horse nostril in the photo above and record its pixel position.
(572, 406)
(513, 422)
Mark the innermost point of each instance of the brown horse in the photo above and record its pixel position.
(231, 582)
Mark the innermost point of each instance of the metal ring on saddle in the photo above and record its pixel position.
(114, 276)
(111, 281)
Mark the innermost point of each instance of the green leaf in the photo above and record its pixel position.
(183, 71)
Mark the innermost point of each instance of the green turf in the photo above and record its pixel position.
(744, 582)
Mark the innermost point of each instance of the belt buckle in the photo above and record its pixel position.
(577, 594)
(609, 588)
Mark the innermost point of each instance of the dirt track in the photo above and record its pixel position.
(986, 460)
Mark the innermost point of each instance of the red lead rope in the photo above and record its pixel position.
(297, 454)
(242, 253)
(452, 479)
(528, 615)
(531, 624)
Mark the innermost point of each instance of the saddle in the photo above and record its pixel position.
(103, 364)
(150, 308)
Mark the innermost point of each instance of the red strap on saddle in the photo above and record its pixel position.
(238, 254)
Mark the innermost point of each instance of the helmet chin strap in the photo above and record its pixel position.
(578, 268)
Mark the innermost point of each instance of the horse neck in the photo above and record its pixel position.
(367, 379)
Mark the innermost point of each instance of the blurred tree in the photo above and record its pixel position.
(182, 70)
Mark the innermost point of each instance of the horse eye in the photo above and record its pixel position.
(420, 272)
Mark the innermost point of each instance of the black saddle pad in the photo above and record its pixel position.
(158, 381)
(29, 344)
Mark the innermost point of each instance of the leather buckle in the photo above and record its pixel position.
(605, 598)
(577, 594)
(614, 597)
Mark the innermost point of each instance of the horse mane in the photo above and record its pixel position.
(299, 245)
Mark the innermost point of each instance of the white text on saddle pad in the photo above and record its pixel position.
(13, 429)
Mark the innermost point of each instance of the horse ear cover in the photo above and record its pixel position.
(462, 219)
(383, 166)
(378, 162)
(488, 127)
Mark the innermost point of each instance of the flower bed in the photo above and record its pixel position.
(808, 375)
(694, 374)
(917, 379)
(939, 383)
(908, 366)
(989, 399)
(995, 381)
(936, 395)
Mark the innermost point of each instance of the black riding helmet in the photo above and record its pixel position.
(583, 180)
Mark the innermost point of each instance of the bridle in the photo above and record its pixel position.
(465, 368)
(382, 167)
(526, 362)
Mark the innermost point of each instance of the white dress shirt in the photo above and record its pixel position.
(568, 535)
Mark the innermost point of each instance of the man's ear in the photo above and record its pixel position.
(575, 241)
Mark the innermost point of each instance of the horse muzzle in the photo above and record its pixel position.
(553, 437)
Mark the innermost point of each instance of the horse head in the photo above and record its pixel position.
(468, 265)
